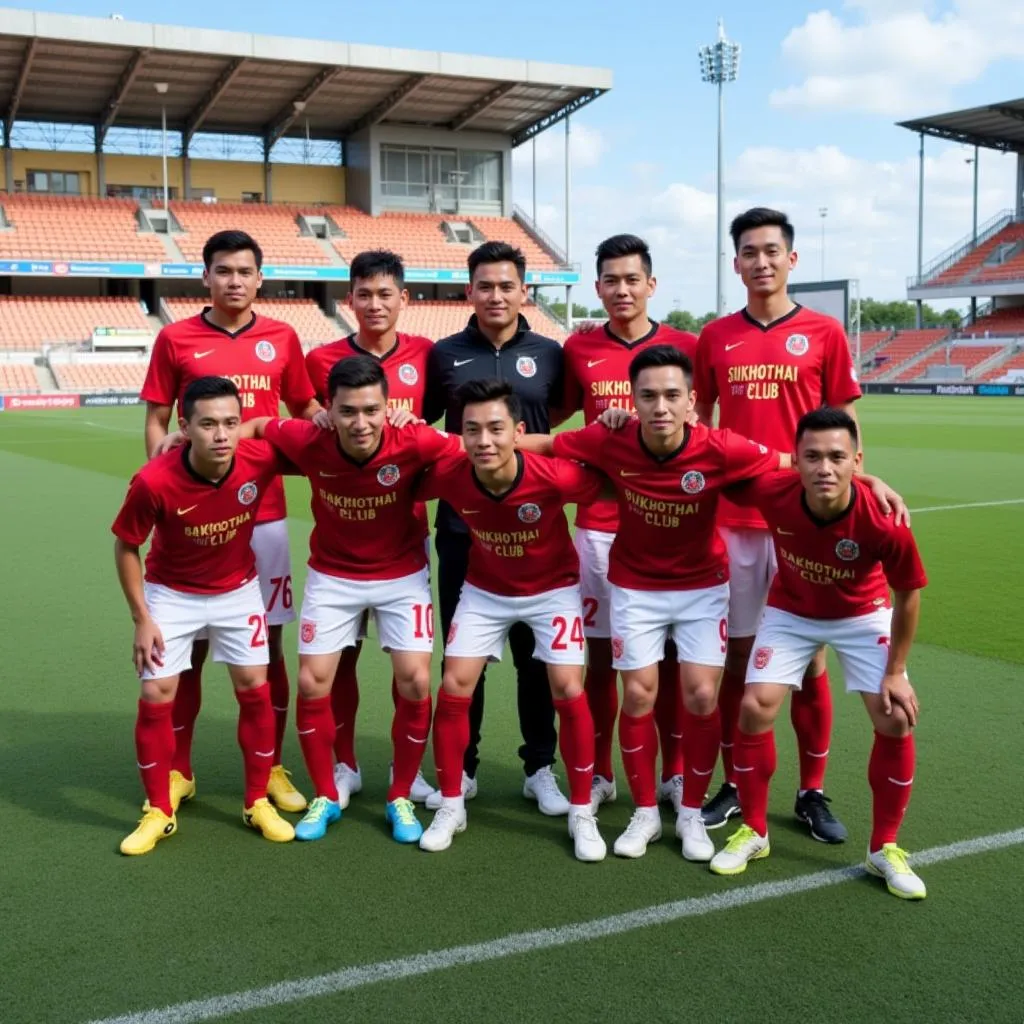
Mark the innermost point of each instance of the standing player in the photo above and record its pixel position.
(838, 556)
(201, 503)
(366, 554)
(766, 366)
(522, 568)
(377, 297)
(264, 359)
(597, 378)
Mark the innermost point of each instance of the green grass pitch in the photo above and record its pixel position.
(86, 934)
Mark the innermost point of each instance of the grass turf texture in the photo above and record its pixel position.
(216, 909)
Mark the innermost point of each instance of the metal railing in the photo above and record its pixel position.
(960, 249)
(527, 223)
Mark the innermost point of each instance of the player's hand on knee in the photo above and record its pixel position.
(175, 439)
(148, 647)
(399, 418)
(614, 419)
(898, 693)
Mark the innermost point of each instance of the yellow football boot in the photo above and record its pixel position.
(281, 791)
(182, 790)
(263, 817)
(153, 826)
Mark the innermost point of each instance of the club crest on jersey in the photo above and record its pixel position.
(618, 646)
(529, 513)
(762, 656)
(265, 351)
(797, 344)
(526, 366)
(248, 493)
(408, 374)
(692, 482)
(387, 476)
(308, 631)
(847, 550)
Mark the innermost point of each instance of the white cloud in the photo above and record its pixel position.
(893, 57)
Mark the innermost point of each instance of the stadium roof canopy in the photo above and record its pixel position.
(102, 72)
(996, 126)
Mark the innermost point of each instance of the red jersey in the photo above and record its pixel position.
(365, 527)
(838, 568)
(520, 539)
(597, 378)
(667, 504)
(202, 531)
(765, 378)
(405, 365)
(264, 359)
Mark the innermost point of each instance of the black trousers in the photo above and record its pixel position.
(536, 711)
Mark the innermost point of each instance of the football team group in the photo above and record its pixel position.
(709, 567)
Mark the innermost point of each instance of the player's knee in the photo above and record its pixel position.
(895, 724)
(157, 691)
(757, 710)
(637, 698)
(311, 684)
(248, 677)
(414, 683)
(455, 685)
(700, 698)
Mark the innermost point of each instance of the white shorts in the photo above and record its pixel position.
(786, 643)
(274, 565)
(364, 625)
(235, 624)
(482, 620)
(333, 609)
(642, 620)
(752, 568)
(593, 546)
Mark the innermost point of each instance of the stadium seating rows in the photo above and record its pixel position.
(84, 377)
(903, 346)
(1001, 321)
(436, 320)
(971, 265)
(1015, 364)
(17, 377)
(311, 324)
(872, 339)
(27, 322)
(966, 356)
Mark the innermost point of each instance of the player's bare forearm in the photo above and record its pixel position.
(906, 612)
(253, 429)
(305, 412)
(705, 412)
(129, 575)
(158, 420)
(850, 408)
(539, 444)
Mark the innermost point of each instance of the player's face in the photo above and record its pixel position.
(358, 416)
(497, 295)
(764, 261)
(489, 434)
(377, 303)
(213, 430)
(624, 288)
(233, 279)
(827, 460)
(663, 400)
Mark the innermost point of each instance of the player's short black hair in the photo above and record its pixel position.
(489, 390)
(827, 418)
(660, 355)
(624, 245)
(356, 372)
(761, 217)
(208, 387)
(497, 252)
(231, 241)
(377, 263)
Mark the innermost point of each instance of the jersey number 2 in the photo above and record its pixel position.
(258, 625)
(562, 626)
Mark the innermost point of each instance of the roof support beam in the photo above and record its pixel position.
(286, 118)
(481, 106)
(124, 83)
(207, 103)
(388, 104)
(963, 137)
(1014, 113)
(561, 114)
(19, 89)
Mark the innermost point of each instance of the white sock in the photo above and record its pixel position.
(456, 803)
(804, 792)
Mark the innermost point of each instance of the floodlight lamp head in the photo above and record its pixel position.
(299, 106)
(161, 87)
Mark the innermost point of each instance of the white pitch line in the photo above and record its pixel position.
(970, 504)
(350, 978)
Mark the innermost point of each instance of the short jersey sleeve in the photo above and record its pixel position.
(436, 480)
(138, 514)
(704, 383)
(839, 385)
(577, 484)
(901, 561)
(586, 445)
(745, 459)
(291, 438)
(434, 444)
(296, 389)
(162, 382)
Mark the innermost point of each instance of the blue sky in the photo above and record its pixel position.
(810, 122)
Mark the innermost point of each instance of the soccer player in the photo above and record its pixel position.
(366, 555)
(766, 366)
(498, 342)
(597, 378)
(838, 555)
(264, 359)
(377, 297)
(201, 503)
(522, 568)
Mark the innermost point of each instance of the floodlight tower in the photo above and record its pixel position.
(720, 63)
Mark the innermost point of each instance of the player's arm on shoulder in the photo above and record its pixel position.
(614, 419)
(704, 380)
(255, 429)
(539, 444)
(896, 688)
(850, 408)
(158, 422)
(890, 502)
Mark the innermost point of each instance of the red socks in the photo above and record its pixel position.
(256, 727)
(345, 704)
(890, 772)
(315, 725)
(810, 709)
(603, 699)
(451, 737)
(702, 735)
(668, 710)
(638, 740)
(755, 759)
(410, 728)
(187, 702)
(576, 742)
(730, 697)
(154, 749)
(280, 697)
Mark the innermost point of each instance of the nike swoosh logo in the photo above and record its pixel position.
(729, 348)
(203, 355)
(462, 362)
(185, 511)
(623, 472)
(785, 533)
(469, 511)
(591, 363)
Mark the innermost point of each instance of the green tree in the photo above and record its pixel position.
(684, 320)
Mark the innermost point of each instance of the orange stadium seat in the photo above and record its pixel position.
(99, 376)
(436, 320)
(904, 345)
(1001, 321)
(967, 356)
(971, 265)
(1015, 364)
(49, 227)
(17, 377)
(28, 322)
(312, 325)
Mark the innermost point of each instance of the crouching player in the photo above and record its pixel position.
(838, 555)
(522, 568)
(200, 503)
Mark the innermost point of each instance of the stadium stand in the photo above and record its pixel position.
(1001, 321)
(47, 227)
(506, 230)
(904, 345)
(16, 377)
(971, 267)
(312, 325)
(439, 319)
(28, 322)
(85, 377)
(1014, 367)
(872, 339)
(959, 356)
